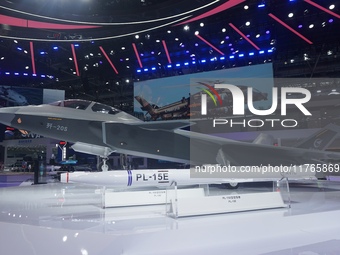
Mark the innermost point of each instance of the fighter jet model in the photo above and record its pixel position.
(100, 129)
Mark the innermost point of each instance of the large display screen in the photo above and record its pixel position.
(173, 97)
(16, 96)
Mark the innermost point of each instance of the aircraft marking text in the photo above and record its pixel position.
(56, 127)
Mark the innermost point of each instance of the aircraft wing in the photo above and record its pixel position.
(242, 153)
(166, 141)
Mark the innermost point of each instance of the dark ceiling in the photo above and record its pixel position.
(292, 34)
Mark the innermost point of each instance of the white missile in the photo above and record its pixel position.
(167, 177)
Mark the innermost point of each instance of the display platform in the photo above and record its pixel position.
(68, 219)
(9, 179)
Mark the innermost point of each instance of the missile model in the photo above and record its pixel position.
(193, 176)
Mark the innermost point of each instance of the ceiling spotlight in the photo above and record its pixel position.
(258, 35)
(262, 4)
(290, 15)
(186, 27)
(247, 23)
(123, 48)
(311, 25)
(137, 36)
(246, 7)
(201, 24)
(224, 30)
(329, 52)
(305, 57)
(147, 36)
(332, 6)
(196, 32)
(169, 32)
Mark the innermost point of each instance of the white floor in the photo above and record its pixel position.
(68, 219)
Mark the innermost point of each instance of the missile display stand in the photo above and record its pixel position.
(177, 206)
(140, 197)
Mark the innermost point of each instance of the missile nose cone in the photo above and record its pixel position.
(7, 115)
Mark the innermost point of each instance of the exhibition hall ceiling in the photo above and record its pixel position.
(108, 43)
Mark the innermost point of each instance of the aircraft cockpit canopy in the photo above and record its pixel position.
(84, 104)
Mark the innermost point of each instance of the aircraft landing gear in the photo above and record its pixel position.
(104, 165)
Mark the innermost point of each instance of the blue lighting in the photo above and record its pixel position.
(34, 74)
(178, 65)
(251, 53)
(146, 69)
(25, 74)
(153, 68)
(43, 76)
(169, 66)
(55, 47)
(193, 62)
(7, 73)
(270, 51)
(16, 73)
(241, 55)
(42, 52)
(76, 45)
(261, 52)
(186, 63)
(139, 71)
(19, 48)
(261, 5)
(203, 61)
(232, 56)
(212, 59)
(222, 58)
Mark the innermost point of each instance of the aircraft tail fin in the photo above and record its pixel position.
(321, 139)
(146, 106)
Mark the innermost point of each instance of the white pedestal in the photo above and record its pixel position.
(148, 197)
(182, 207)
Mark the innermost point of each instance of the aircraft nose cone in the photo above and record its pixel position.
(7, 115)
